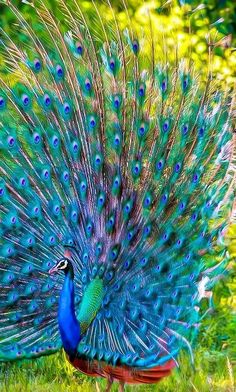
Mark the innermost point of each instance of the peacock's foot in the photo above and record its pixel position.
(97, 386)
(121, 387)
(109, 384)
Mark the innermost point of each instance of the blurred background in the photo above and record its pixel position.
(187, 25)
(171, 21)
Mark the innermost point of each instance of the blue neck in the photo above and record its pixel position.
(68, 325)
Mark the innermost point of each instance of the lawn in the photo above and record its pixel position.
(212, 372)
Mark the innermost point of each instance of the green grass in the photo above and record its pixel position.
(212, 372)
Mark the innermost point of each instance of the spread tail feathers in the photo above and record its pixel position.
(124, 160)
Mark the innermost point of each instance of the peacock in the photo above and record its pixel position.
(116, 179)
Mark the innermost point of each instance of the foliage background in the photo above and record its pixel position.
(215, 352)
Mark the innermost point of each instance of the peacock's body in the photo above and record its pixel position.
(112, 166)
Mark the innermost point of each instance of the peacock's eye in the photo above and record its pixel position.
(117, 140)
(92, 122)
(59, 71)
(166, 126)
(127, 208)
(164, 86)
(112, 64)
(185, 83)
(63, 264)
(185, 129)
(46, 174)
(37, 64)
(25, 99)
(65, 176)
(75, 146)
(144, 261)
(116, 182)
(130, 235)
(36, 138)
(79, 48)
(55, 141)
(164, 198)
(47, 100)
(137, 168)
(201, 131)
(87, 84)
(98, 159)
(23, 181)
(141, 91)
(177, 167)
(141, 129)
(11, 141)
(83, 186)
(66, 108)
(135, 46)
(2, 101)
(85, 257)
(116, 102)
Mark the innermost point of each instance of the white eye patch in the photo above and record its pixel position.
(63, 264)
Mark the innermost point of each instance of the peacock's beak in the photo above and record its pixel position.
(53, 270)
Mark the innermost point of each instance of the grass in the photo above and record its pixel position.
(212, 372)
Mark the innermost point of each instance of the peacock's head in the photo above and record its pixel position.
(64, 265)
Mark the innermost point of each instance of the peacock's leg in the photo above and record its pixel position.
(109, 384)
(97, 386)
(121, 386)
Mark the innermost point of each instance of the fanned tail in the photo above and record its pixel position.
(123, 159)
